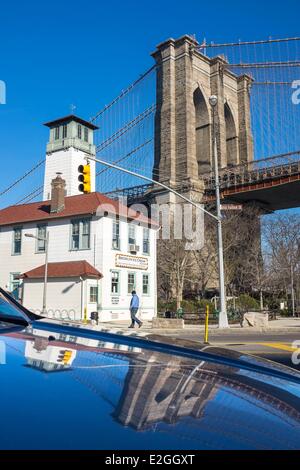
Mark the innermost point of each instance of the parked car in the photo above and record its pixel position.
(67, 387)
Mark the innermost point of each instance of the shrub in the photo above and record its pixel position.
(246, 302)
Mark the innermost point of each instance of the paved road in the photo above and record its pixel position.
(276, 347)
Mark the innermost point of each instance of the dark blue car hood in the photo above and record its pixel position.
(62, 388)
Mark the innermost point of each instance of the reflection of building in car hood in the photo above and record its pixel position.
(44, 356)
(119, 387)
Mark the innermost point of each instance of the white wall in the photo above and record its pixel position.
(120, 310)
(63, 297)
(66, 162)
(100, 255)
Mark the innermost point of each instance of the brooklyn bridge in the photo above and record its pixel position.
(161, 126)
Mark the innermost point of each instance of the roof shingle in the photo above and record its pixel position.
(83, 204)
(64, 270)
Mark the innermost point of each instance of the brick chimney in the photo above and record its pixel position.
(57, 194)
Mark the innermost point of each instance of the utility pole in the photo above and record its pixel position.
(292, 290)
(223, 321)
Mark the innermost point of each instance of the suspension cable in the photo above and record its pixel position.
(247, 43)
(122, 94)
(120, 132)
(36, 192)
(22, 178)
(257, 65)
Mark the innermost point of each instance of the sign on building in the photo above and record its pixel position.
(131, 262)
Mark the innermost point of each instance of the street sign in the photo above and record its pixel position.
(231, 207)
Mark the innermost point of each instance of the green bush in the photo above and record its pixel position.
(246, 302)
(189, 306)
(163, 306)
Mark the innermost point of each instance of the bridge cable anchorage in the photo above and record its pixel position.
(146, 178)
(120, 132)
(123, 93)
(247, 43)
(29, 172)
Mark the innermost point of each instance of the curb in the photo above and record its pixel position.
(242, 331)
(187, 331)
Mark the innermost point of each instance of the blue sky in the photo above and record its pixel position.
(53, 54)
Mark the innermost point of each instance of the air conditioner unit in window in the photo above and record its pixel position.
(134, 248)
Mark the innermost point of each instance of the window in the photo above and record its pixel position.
(65, 131)
(131, 234)
(146, 241)
(145, 284)
(56, 133)
(86, 134)
(93, 294)
(14, 283)
(79, 131)
(116, 234)
(85, 237)
(115, 282)
(131, 282)
(17, 241)
(75, 235)
(41, 234)
(80, 234)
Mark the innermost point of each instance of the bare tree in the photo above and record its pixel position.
(281, 241)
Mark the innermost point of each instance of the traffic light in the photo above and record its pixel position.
(84, 178)
(64, 356)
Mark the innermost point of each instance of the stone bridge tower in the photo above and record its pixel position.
(183, 128)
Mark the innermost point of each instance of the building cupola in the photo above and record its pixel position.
(71, 140)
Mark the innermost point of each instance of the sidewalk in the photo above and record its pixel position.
(282, 325)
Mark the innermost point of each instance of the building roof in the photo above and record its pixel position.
(81, 205)
(64, 269)
(70, 117)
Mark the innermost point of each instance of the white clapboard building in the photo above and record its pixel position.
(98, 249)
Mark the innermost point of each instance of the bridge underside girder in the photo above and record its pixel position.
(272, 195)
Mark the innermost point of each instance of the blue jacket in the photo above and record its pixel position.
(135, 301)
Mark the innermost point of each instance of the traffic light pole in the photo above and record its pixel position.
(223, 320)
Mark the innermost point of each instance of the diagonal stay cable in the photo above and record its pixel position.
(120, 132)
(22, 178)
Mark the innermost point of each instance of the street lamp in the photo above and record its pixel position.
(223, 319)
(292, 290)
(46, 240)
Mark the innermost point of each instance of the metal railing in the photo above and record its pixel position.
(267, 169)
(256, 172)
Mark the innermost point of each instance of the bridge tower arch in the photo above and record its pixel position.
(232, 149)
(183, 137)
(202, 132)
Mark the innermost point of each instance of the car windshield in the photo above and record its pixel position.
(10, 312)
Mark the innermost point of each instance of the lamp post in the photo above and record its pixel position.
(46, 240)
(223, 319)
(292, 290)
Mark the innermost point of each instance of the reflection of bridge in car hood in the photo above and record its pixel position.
(188, 402)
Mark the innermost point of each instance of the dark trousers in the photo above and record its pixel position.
(133, 312)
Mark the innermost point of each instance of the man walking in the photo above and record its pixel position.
(134, 306)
